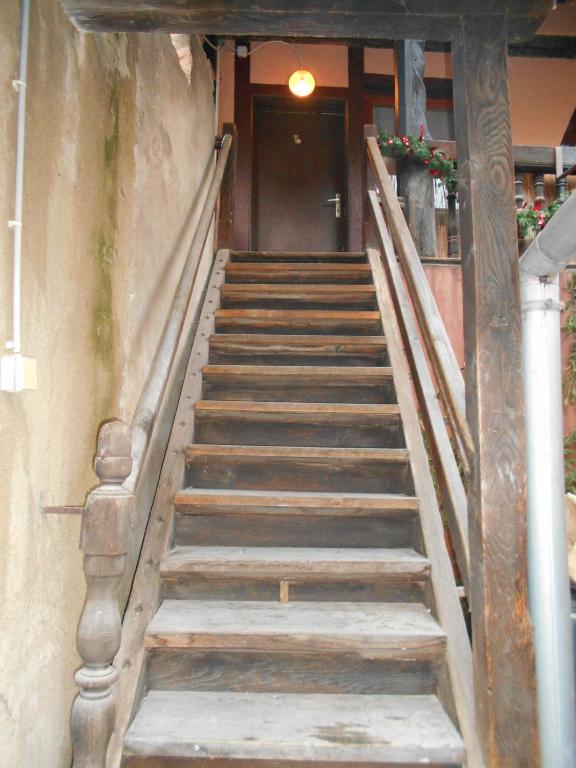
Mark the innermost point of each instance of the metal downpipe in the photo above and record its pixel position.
(548, 583)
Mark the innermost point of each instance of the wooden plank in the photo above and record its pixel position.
(297, 273)
(453, 488)
(345, 257)
(145, 586)
(195, 501)
(330, 410)
(281, 672)
(392, 630)
(323, 730)
(525, 157)
(503, 650)
(298, 321)
(458, 693)
(295, 564)
(420, 19)
(395, 455)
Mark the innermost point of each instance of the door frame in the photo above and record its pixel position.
(352, 98)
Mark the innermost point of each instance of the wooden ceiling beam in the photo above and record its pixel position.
(361, 19)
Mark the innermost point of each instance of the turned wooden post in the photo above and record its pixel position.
(105, 531)
(561, 181)
(504, 671)
(453, 244)
(519, 190)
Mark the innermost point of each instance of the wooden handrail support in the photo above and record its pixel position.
(436, 340)
(128, 463)
(454, 493)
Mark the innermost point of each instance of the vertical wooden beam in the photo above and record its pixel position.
(227, 192)
(356, 164)
(243, 122)
(502, 632)
(415, 185)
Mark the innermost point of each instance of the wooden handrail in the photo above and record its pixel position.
(438, 346)
(116, 515)
(454, 493)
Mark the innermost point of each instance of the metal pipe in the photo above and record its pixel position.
(16, 223)
(555, 246)
(549, 594)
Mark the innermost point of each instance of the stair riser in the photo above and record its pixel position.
(300, 474)
(296, 391)
(377, 589)
(256, 429)
(290, 327)
(259, 356)
(270, 672)
(253, 274)
(295, 531)
(268, 257)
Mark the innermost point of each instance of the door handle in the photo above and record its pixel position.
(337, 200)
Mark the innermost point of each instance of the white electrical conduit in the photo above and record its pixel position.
(548, 584)
(16, 223)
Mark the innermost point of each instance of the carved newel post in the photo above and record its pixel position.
(105, 531)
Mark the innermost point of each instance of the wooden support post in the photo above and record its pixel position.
(105, 532)
(415, 185)
(504, 673)
(226, 208)
(356, 153)
(243, 122)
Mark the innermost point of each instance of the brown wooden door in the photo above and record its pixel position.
(299, 156)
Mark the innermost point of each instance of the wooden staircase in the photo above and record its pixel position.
(299, 621)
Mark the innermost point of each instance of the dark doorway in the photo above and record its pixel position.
(299, 156)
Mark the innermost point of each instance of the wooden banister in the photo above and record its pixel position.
(453, 488)
(128, 462)
(438, 345)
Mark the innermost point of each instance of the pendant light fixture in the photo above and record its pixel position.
(301, 82)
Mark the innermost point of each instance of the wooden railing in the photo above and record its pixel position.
(428, 348)
(128, 463)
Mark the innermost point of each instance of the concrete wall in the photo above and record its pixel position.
(117, 146)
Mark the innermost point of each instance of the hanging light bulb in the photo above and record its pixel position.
(301, 83)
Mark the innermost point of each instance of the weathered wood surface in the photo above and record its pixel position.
(106, 525)
(456, 505)
(298, 321)
(434, 334)
(370, 470)
(225, 216)
(390, 630)
(458, 694)
(268, 295)
(299, 383)
(526, 157)
(418, 19)
(298, 273)
(311, 673)
(415, 184)
(145, 592)
(282, 257)
(503, 650)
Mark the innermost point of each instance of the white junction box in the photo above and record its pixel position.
(17, 372)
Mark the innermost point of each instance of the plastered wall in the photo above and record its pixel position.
(117, 146)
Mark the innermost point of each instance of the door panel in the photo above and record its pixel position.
(299, 163)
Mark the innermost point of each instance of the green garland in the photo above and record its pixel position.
(438, 164)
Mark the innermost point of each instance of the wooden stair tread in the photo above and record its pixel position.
(298, 314)
(248, 406)
(293, 562)
(400, 455)
(330, 372)
(298, 290)
(388, 630)
(284, 502)
(301, 267)
(342, 730)
(298, 341)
